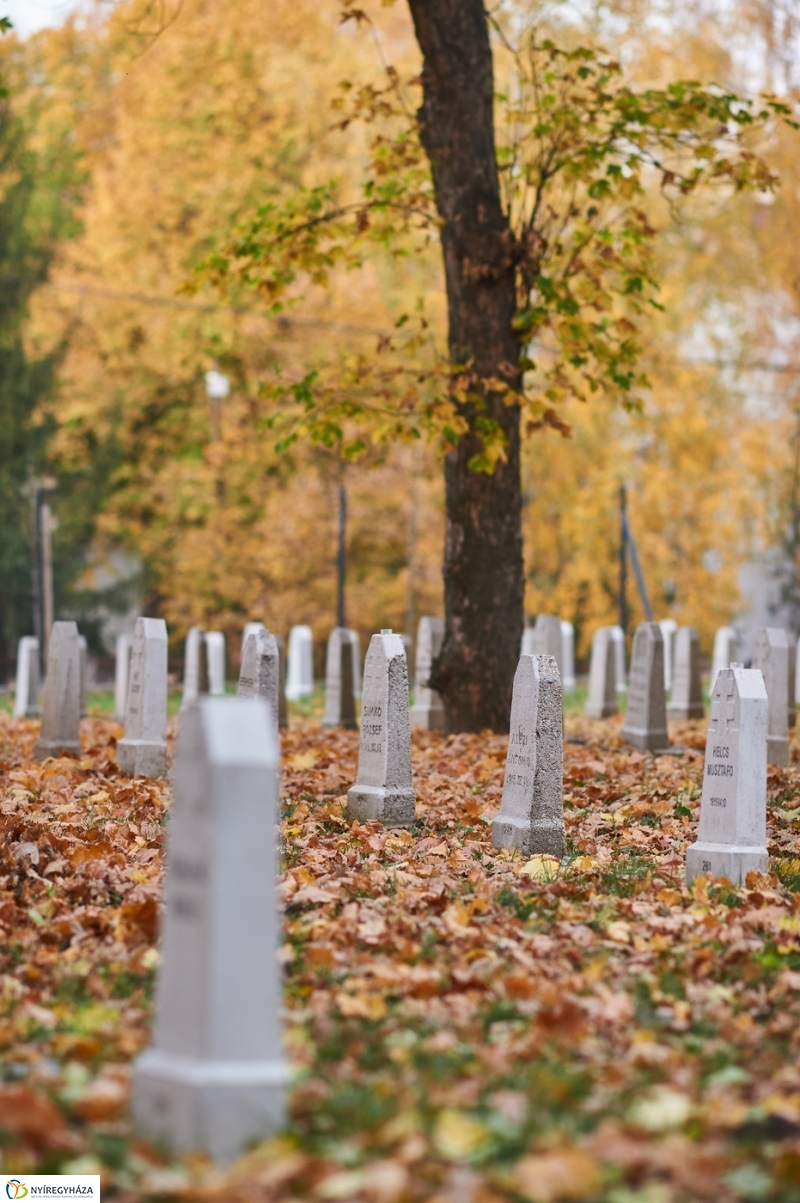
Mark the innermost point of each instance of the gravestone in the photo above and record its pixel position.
(84, 661)
(568, 656)
(646, 717)
(531, 815)
(143, 751)
(215, 651)
(771, 656)
(602, 700)
(428, 709)
(669, 629)
(121, 676)
(213, 1079)
(526, 645)
(726, 651)
(797, 673)
(733, 812)
(61, 713)
(341, 657)
(618, 635)
(259, 675)
(792, 710)
(283, 715)
(687, 683)
(300, 682)
(26, 689)
(547, 639)
(195, 667)
(250, 628)
(383, 789)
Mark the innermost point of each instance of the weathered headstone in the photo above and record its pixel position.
(83, 648)
(340, 684)
(732, 838)
(646, 717)
(531, 815)
(547, 639)
(26, 690)
(143, 751)
(61, 713)
(687, 683)
(300, 683)
(618, 635)
(726, 651)
(602, 700)
(259, 675)
(250, 628)
(121, 676)
(771, 656)
(215, 651)
(383, 788)
(213, 1078)
(428, 709)
(669, 629)
(568, 656)
(195, 667)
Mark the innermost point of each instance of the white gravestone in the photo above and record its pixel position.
(526, 644)
(669, 629)
(726, 651)
(61, 713)
(792, 710)
(732, 838)
(687, 683)
(195, 667)
(250, 628)
(213, 1078)
(341, 660)
(122, 668)
(84, 658)
(428, 709)
(215, 651)
(26, 689)
(646, 717)
(602, 700)
(568, 656)
(531, 815)
(143, 751)
(547, 639)
(771, 656)
(259, 675)
(383, 789)
(300, 680)
(618, 635)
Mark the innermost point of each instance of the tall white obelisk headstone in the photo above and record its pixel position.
(531, 814)
(618, 635)
(771, 656)
(215, 651)
(646, 717)
(195, 667)
(300, 678)
(143, 751)
(26, 689)
(259, 675)
(732, 839)
(383, 789)
(602, 700)
(428, 709)
(122, 668)
(568, 656)
(669, 630)
(341, 661)
(726, 651)
(61, 714)
(687, 684)
(213, 1078)
(548, 639)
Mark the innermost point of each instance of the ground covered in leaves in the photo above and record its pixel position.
(462, 1027)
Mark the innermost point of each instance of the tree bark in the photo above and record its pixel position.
(483, 568)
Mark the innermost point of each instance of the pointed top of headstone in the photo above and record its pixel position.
(602, 699)
(646, 718)
(259, 675)
(143, 751)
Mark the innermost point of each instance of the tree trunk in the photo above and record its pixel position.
(483, 570)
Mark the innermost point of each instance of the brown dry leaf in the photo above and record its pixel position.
(561, 1174)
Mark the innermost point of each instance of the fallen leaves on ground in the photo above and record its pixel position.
(463, 1025)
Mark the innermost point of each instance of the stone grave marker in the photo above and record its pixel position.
(568, 656)
(283, 715)
(195, 667)
(618, 635)
(143, 751)
(602, 699)
(61, 713)
(26, 689)
(797, 673)
(213, 1078)
(526, 644)
(547, 639)
(215, 651)
(84, 660)
(531, 815)
(669, 629)
(726, 651)
(122, 668)
(792, 710)
(646, 717)
(428, 709)
(259, 675)
(733, 811)
(341, 658)
(250, 628)
(300, 683)
(383, 789)
(771, 656)
(687, 684)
